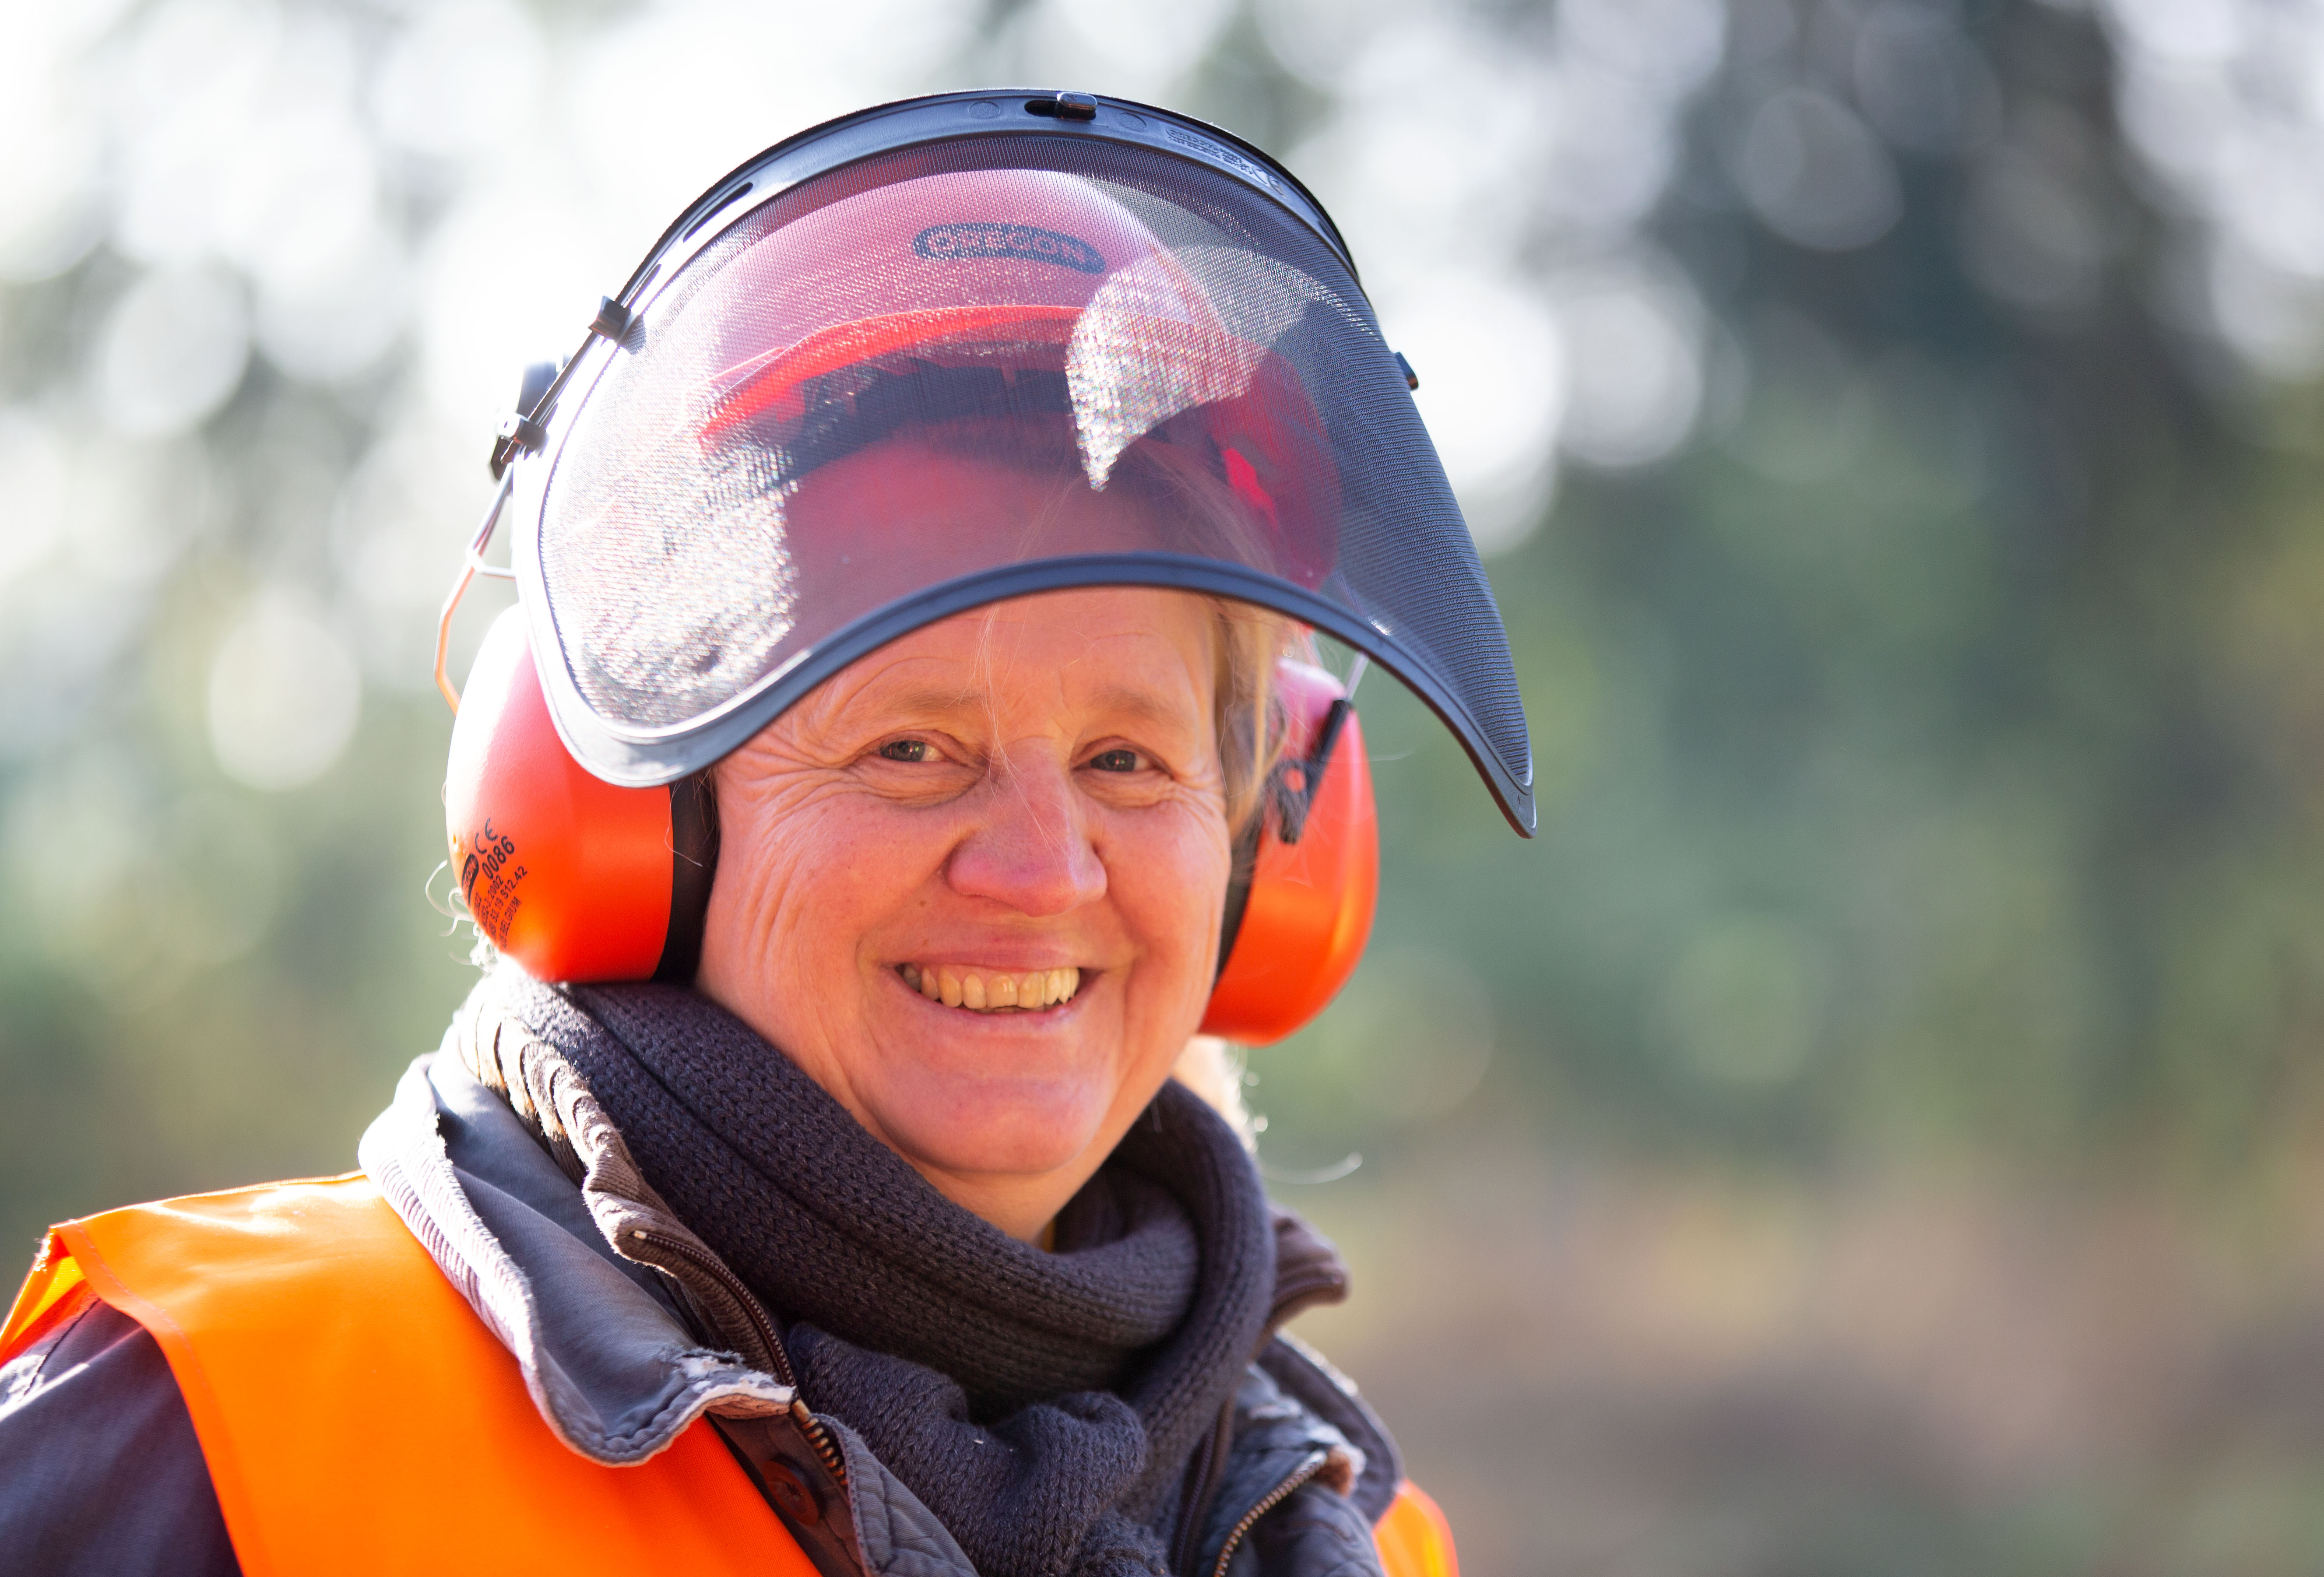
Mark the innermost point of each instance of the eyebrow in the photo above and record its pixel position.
(1142, 703)
(925, 698)
(941, 700)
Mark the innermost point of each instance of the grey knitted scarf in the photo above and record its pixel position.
(1044, 1404)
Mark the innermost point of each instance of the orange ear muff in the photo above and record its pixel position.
(573, 878)
(1308, 889)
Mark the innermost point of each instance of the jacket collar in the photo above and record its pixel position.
(608, 1352)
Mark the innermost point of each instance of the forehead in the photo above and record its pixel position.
(1142, 649)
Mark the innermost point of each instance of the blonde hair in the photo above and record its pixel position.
(1214, 1069)
(1252, 730)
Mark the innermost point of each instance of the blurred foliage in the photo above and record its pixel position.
(1929, 752)
(1912, 578)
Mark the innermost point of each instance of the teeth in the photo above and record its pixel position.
(986, 993)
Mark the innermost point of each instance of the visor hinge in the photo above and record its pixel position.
(519, 431)
(613, 320)
(1064, 107)
(1294, 783)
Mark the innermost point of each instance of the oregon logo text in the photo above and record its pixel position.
(971, 238)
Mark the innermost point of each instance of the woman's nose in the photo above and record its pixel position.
(1030, 845)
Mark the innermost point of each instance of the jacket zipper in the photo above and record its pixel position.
(762, 1326)
(1202, 1492)
(1273, 1498)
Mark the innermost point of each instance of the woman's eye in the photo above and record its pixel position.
(1116, 761)
(905, 750)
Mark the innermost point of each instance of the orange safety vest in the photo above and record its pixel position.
(339, 1385)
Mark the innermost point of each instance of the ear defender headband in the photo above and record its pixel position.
(578, 880)
(790, 440)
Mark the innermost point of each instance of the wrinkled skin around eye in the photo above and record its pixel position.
(1030, 786)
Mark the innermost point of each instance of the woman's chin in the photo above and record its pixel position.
(996, 1127)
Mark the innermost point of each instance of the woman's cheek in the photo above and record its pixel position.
(838, 865)
(787, 856)
(1177, 870)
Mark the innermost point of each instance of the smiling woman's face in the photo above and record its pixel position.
(972, 885)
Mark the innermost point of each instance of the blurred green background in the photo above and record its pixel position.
(1874, 1128)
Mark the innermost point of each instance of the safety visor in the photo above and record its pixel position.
(971, 369)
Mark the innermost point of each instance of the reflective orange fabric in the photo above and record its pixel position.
(356, 1416)
(1414, 1538)
(55, 1291)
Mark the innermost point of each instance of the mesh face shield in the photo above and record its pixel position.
(958, 368)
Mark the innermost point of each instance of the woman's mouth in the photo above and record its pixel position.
(992, 990)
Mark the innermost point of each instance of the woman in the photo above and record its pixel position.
(903, 748)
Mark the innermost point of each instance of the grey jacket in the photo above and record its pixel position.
(101, 1470)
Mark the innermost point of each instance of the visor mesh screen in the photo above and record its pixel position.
(994, 351)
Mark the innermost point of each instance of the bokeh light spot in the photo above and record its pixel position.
(1814, 175)
(283, 697)
(173, 350)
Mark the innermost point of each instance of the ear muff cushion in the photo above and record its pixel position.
(1308, 911)
(568, 874)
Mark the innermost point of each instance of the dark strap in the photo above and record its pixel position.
(801, 1485)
